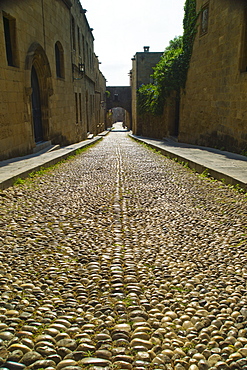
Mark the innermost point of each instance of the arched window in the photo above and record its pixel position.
(59, 60)
(204, 19)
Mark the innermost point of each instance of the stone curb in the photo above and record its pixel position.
(200, 168)
(35, 163)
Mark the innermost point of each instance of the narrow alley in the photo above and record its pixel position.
(120, 258)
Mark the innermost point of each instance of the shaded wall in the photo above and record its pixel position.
(142, 69)
(71, 99)
(213, 106)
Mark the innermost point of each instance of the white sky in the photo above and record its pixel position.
(123, 27)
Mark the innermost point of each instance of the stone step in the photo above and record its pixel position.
(45, 147)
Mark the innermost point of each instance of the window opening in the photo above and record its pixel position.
(204, 20)
(79, 40)
(243, 58)
(76, 107)
(83, 48)
(73, 33)
(80, 107)
(87, 59)
(58, 61)
(59, 56)
(9, 25)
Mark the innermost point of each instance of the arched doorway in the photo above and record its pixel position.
(38, 89)
(36, 107)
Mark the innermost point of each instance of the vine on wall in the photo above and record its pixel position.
(171, 71)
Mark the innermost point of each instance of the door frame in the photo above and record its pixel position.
(36, 58)
(36, 107)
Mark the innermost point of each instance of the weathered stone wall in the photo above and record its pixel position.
(150, 125)
(71, 102)
(160, 126)
(213, 107)
(142, 69)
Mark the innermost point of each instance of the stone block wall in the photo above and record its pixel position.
(71, 99)
(160, 126)
(142, 69)
(213, 106)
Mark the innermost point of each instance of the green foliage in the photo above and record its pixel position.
(205, 173)
(171, 71)
(244, 152)
(19, 181)
(176, 43)
(148, 99)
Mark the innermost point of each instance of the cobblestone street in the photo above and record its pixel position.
(123, 259)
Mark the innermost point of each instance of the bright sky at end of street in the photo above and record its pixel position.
(122, 28)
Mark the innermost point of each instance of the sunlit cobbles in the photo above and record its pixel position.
(39, 364)
(6, 335)
(11, 365)
(139, 268)
(31, 357)
(94, 361)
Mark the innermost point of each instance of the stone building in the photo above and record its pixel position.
(142, 68)
(119, 100)
(213, 109)
(51, 88)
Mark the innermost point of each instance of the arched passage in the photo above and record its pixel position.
(119, 114)
(39, 89)
(119, 97)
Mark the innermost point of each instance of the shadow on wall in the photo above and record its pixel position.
(60, 139)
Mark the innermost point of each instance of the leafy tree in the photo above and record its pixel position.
(171, 71)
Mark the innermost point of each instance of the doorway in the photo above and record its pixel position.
(36, 107)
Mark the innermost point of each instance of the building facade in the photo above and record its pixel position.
(142, 68)
(213, 109)
(51, 88)
(119, 100)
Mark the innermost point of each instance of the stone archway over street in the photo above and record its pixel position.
(119, 96)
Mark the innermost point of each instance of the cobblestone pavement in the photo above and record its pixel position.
(122, 259)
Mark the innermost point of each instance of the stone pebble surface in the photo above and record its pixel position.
(122, 259)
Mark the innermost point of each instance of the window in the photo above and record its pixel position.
(9, 25)
(83, 48)
(90, 58)
(92, 104)
(73, 33)
(59, 56)
(80, 107)
(243, 57)
(76, 108)
(204, 20)
(79, 40)
(87, 59)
